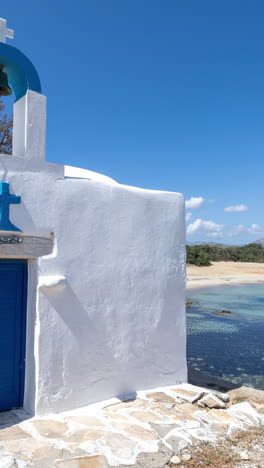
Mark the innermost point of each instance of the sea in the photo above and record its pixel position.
(227, 347)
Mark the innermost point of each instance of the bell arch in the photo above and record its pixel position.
(21, 73)
(29, 131)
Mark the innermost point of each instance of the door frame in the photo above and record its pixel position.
(23, 325)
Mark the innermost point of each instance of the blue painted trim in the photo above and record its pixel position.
(23, 334)
(22, 74)
(23, 325)
(6, 199)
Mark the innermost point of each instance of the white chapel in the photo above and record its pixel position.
(92, 272)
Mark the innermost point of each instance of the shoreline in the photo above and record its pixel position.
(224, 273)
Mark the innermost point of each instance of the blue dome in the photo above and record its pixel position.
(22, 74)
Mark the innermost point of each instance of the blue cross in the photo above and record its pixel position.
(5, 200)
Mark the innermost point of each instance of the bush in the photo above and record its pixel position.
(204, 254)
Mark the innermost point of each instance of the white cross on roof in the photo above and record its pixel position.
(5, 32)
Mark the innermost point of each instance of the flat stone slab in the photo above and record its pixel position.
(13, 433)
(97, 461)
(130, 404)
(50, 428)
(84, 435)
(87, 420)
(161, 396)
(146, 416)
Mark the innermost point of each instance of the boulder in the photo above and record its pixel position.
(211, 401)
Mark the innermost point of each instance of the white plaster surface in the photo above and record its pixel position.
(29, 136)
(78, 173)
(118, 324)
(51, 282)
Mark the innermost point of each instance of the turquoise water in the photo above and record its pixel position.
(227, 347)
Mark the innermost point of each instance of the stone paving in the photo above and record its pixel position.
(146, 432)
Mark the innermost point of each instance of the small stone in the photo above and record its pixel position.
(244, 456)
(160, 396)
(222, 396)
(201, 404)
(175, 460)
(188, 395)
(211, 401)
(187, 456)
(51, 429)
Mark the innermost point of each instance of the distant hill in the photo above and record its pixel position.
(217, 244)
(204, 254)
(260, 241)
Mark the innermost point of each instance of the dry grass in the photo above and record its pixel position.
(226, 452)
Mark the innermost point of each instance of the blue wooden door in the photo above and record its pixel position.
(13, 287)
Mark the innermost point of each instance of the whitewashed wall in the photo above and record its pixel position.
(116, 323)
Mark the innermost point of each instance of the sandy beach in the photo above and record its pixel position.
(224, 273)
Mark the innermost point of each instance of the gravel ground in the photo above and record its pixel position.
(244, 450)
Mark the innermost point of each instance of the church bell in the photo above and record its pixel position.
(5, 89)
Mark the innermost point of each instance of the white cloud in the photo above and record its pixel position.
(233, 208)
(207, 228)
(194, 203)
(210, 229)
(240, 228)
(188, 216)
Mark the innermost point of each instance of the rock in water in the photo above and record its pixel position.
(222, 312)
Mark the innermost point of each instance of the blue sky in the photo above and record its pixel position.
(161, 94)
